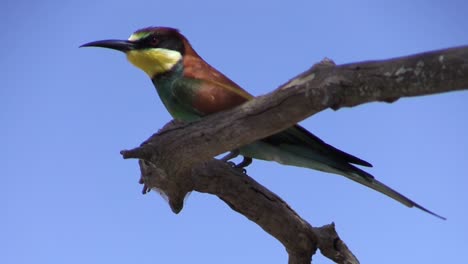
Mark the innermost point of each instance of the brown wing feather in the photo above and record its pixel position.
(216, 92)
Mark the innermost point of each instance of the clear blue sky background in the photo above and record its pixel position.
(67, 196)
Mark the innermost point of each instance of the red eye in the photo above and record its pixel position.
(154, 41)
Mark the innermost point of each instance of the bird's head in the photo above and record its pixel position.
(155, 50)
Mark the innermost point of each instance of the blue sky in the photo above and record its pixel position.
(67, 196)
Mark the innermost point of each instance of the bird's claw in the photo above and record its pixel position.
(241, 169)
(241, 165)
(236, 167)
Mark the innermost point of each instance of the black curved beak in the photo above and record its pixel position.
(115, 44)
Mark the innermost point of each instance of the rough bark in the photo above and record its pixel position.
(179, 158)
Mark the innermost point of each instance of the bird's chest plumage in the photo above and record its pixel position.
(164, 85)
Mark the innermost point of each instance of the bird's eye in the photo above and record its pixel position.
(154, 41)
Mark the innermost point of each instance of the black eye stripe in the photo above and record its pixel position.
(172, 42)
(150, 41)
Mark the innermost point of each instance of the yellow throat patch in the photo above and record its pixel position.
(154, 61)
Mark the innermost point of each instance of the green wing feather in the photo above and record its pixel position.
(295, 140)
(299, 136)
(186, 91)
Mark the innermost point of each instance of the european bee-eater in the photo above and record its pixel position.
(190, 88)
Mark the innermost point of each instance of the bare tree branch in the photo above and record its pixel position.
(179, 158)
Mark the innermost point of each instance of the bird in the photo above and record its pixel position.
(190, 89)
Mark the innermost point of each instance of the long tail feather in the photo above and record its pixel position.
(368, 180)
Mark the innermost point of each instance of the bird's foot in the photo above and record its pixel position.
(236, 167)
(243, 164)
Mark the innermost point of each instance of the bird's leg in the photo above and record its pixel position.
(244, 163)
(230, 156)
(241, 165)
